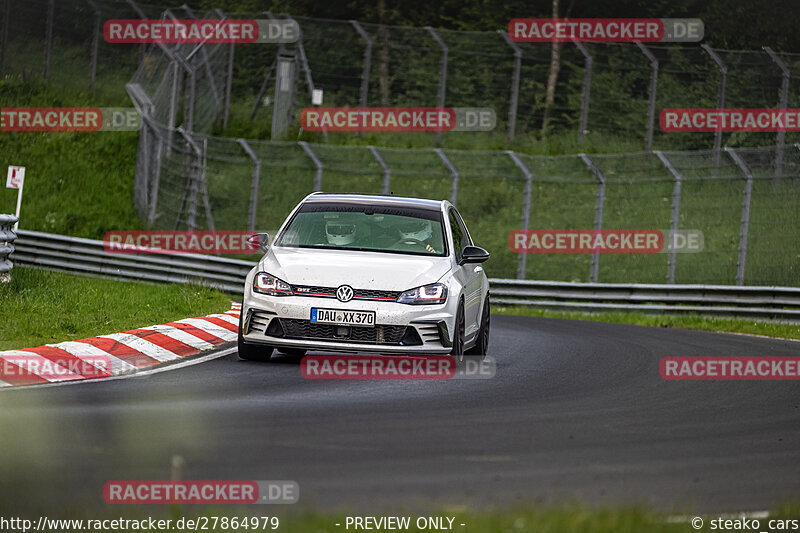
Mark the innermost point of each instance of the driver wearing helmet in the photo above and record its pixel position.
(418, 230)
(340, 233)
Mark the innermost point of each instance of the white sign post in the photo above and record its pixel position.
(16, 180)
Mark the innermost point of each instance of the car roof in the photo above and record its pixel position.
(374, 200)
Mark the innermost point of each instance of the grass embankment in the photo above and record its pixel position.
(40, 307)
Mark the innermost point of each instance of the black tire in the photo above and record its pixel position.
(251, 352)
(482, 342)
(457, 350)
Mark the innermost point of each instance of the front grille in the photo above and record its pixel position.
(303, 290)
(303, 329)
(366, 294)
(358, 294)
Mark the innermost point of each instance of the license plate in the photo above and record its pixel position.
(343, 318)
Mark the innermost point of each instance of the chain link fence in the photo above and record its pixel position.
(602, 88)
(746, 200)
(749, 218)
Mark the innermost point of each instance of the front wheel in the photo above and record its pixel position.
(482, 342)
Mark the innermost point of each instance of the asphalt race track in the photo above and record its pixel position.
(577, 411)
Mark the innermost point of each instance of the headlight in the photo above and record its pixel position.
(435, 293)
(268, 284)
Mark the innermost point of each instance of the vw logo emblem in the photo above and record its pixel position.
(344, 293)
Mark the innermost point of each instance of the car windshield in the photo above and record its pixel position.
(366, 228)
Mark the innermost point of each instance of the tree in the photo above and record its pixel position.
(555, 66)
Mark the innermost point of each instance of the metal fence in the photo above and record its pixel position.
(750, 219)
(745, 200)
(603, 89)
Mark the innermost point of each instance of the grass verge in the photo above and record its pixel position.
(689, 321)
(41, 307)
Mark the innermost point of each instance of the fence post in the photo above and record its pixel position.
(251, 218)
(228, 79)
(387, 171)
(203, 171)
(228, 84)
(201, 47)
(453, 172)
(723, 73)
(263, 89)
(362, 100)
(141, 186)
(95, 43)
(442, 77)
(303, 59)
(585, 92)
(156, 175)
(142, 179)
(188, 114)
(197, 179)
(6, 15)
(674, 213)
(190, 192)
(784, 102)
(48, 42)
(515, 79)
(317, 163)
(651, 97)
(526, 207)
(598, 211)
(745, 224)
(143, 16)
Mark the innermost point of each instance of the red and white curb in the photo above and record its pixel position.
(118, 353)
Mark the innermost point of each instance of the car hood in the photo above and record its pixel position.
(361, 270)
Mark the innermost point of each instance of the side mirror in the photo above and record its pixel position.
(473, 254)
(259, 239)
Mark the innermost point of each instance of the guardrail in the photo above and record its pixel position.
(88, 257)
(777, 302)
(7, 238)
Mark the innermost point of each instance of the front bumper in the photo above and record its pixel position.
(284, 321)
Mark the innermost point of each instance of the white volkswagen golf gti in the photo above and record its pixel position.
(363, 273)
